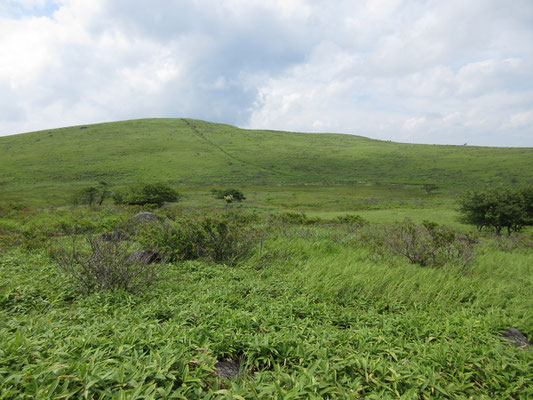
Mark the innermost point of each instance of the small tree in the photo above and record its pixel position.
(498, 208)
(104, 192)
(92, 195)
(85, 196)
(229, 195)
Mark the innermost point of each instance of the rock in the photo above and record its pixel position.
(229, 369)
(145, 216)
(144, 256)
(514, 337)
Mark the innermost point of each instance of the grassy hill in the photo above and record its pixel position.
(193, 152)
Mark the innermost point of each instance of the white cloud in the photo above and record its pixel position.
(431, 71)
(521, 120)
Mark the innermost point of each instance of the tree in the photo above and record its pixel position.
(147, 193)
(229, 195)
(104, 193)
(498, 208)
(92, 194)
(85, 196)
(429, 187)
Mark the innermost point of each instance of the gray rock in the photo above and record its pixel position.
(229, 369)
(145, 216)
(514, 337)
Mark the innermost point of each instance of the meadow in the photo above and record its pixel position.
(316, 307)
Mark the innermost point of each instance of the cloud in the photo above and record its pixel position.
(430, 72)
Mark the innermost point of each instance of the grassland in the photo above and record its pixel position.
(315, 311)
(191, 152)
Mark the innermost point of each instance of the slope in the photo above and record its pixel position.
(193, 152)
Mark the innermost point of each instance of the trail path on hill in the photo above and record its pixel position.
(210, 142)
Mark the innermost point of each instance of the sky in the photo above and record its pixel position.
(418, 71)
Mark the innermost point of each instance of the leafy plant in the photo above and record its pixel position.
(229, 195)
(427, 245)
(225, 240)
(108, 264)
(92, 194)
(295, 218)
(351, 219)
(146, 193)
(498, 208)
(220, 238)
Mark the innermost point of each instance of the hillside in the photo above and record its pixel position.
(192, 152)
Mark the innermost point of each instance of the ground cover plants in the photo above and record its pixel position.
(310, 311)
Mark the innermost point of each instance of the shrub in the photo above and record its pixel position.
(295, 218)
(108, 265)
(430, 187)
(351, 219)
(221, 239)
(225, 240)
(146, 193)
(91, 195)
(12, 209)
(230, 195)
(427, 245)
(498, 208)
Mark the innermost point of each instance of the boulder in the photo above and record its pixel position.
(145, 216)
(514, 337)
(229, 369)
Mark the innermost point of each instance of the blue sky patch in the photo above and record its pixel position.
(16, 10)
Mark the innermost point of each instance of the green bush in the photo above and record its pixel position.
(426, 245)
(91, 195)
(146, 193)
(498, 208)
(295, 218)
(220, 239)
(107, 265)
(351, 219)
(230, 195)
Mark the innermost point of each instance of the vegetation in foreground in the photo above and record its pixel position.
(311, 308)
